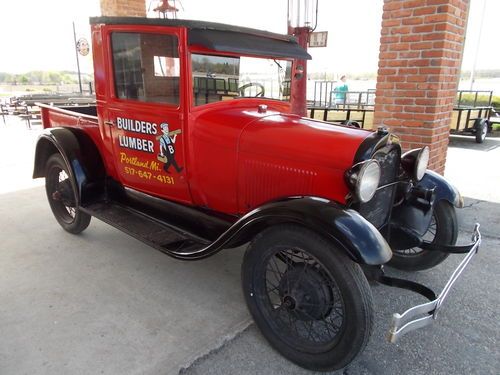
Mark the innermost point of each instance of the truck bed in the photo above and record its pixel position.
(82, 116)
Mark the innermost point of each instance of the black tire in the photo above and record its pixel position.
(62, 196)
(481, 126)
(317, 288)
(443, 230)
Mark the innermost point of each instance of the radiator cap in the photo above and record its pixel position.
(382, 130)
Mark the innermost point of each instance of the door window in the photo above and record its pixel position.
(146, 67)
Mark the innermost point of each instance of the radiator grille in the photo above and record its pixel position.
(378, 209)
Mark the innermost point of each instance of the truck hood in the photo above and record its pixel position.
(296, 138)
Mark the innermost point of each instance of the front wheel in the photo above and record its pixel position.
(311, 302)
(442, 230)
(62, 196)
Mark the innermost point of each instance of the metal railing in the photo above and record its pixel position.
(326, 96)
(480, 98)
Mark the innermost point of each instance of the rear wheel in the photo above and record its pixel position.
(62, 196)
(311, 302)
(442, 230)
(481, 126)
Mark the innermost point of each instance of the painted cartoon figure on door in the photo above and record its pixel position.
(167, 148)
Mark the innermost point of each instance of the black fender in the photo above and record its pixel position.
(443, 190)
(81, 155)
(346, 228)
(410, 220)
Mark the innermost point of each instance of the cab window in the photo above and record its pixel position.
(217, 78)
(146, 67)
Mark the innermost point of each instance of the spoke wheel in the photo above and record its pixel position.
(62, 196)
(303, 303)
(429, 236)
(311, 302)
(443, 230)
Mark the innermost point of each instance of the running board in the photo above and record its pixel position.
(152, 231)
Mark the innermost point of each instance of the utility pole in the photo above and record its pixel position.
(302, 20)
(473, 71)
(77, 60)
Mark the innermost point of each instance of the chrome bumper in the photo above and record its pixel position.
(423, 315)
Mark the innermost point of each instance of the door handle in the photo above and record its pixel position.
(109, 123)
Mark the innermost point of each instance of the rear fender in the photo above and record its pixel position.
(81, 156)
(352, 233)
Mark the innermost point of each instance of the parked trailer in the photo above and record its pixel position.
(355, 108)
(473, 107)
(473, 112)
(53, 99)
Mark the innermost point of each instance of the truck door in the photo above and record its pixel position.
(145, 114)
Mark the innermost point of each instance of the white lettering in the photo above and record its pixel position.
(136, 143)
(136, 126)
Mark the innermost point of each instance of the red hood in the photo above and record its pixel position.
(313, 142)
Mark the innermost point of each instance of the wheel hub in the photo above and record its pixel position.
(64, 194)
(305, 293)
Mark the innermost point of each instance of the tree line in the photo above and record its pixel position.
(38, 77)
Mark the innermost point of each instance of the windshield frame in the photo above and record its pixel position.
(199, 50)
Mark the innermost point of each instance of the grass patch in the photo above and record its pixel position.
(482, 100)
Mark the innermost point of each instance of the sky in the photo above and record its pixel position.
(38, 35)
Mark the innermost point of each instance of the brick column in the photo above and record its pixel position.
(123, 8)
(421, 48)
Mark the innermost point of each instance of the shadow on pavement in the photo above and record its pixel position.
(469, 142)
(102, 302)
(483, 212)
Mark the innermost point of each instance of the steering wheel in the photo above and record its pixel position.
(242, 89)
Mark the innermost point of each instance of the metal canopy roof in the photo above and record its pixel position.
(222, 37)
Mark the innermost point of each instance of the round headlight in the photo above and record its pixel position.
(421, 163)
(367, 180)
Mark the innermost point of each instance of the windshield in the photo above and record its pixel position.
(217, 78)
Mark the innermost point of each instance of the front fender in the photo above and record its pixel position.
(410, 221)
(352, 233)
(443, 189)
(81, 156)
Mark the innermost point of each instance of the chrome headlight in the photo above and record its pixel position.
(363, 179)
(415, 162)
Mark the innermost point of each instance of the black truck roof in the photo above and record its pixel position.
(222, 37)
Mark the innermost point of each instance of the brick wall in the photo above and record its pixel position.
(135, 8)
(421, 48)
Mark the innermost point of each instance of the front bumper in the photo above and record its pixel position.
(425, 314)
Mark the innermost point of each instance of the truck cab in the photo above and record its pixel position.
(154, 89)
(196, 112)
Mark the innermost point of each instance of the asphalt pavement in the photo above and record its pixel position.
(102, 302)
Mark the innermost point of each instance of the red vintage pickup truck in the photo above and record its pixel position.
(192, 148)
